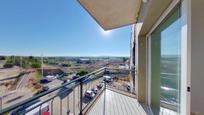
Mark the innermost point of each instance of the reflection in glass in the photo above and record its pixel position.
(165, 63)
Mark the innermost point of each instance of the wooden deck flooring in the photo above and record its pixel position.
(112, 103)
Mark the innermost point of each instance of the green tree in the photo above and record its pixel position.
(35, 65)
(34, 62)
(2, 58)
(27, 62)
(81, 73)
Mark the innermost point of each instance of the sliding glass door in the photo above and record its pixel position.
(165, 59)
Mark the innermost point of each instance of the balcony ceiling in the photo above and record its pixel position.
(112, 14)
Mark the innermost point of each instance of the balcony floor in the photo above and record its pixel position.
(112, 103)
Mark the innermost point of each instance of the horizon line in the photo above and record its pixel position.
(67, 56)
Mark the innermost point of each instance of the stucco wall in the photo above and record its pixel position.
(142, 69)
(197, 57)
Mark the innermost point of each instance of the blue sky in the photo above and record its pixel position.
(170, 39)
(56, 28)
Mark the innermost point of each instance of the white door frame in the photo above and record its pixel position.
(185, 52)
(149, 70)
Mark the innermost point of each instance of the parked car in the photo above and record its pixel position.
(50, 77)
(89, 94)
(95, 90)
(44, 81)
(46, 88)
(75, 77)
(57, 76)
(65, 81)
(99, 86)
(108, 79)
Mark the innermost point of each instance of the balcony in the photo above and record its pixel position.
(113, 94)
(114, 103)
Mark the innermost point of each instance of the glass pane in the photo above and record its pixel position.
(165, 61)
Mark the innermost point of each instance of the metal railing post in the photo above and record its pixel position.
(40, 109)
(60, 106)
(74, 102)
(1, 104)
(105, 70)
(132, 73)
(81, 97)
(52, 107)
(104, 103)
(68, 110)
(105, 85)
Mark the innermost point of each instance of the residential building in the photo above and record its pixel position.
(167, 54)
(166, 61)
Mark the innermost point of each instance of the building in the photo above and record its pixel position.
(166, 61)
(167, 56)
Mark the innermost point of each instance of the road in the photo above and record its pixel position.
(22, 93)
(16, 96)
(24, 80)
(69, 100)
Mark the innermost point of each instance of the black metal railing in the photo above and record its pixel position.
(122, 80)
(73, 97)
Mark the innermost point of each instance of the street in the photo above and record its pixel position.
(67, 99)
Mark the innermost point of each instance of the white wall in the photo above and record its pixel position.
(197, 57)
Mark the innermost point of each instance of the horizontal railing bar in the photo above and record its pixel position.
(84, 79)
(47, 100)
(48, 92)
(170, 106)
(84, 82)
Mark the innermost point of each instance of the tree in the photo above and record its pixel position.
(81, 73)
(8, 65)
(26, 62)
(30, 57)
(36, 65)
(2, 58)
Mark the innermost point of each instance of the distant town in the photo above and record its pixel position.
(21, 77)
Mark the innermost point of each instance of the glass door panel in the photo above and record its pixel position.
(165, 64)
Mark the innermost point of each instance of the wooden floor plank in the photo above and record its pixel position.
(116, 104)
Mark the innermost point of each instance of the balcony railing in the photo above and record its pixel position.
(74, 97)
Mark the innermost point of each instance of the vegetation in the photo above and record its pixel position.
(127, 78)
(25, 62)
(8, 65)
(38, 75)
(81, 73)
(2, 58)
